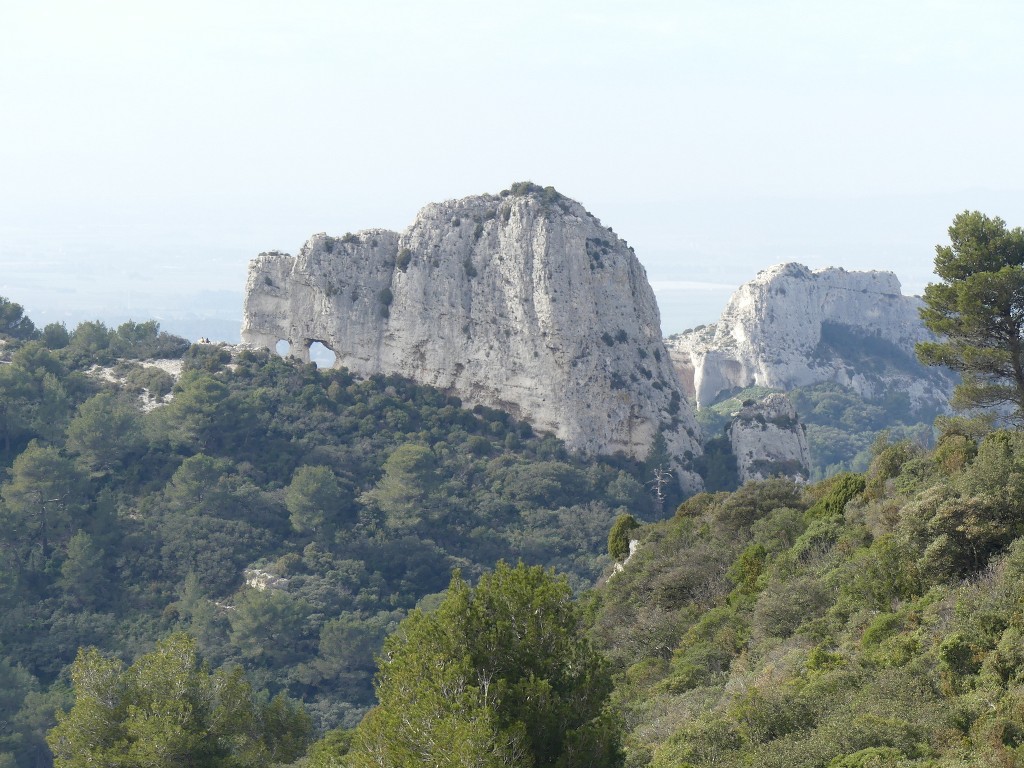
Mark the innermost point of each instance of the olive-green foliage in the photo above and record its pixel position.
(156, 381)
(403, 492)
(55, 336)
(868, 621)
(753, 501)
(618, 536)
(840, 490)
(44, 502)
(330, 751)
(167, 709)
(497, 675)
(706, 651)
(746, 572)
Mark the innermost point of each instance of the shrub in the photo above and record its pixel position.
(403, 259)
(837, 492)
(746, 570)
(872, 757)
(755, 500)
(708, 648)
(618, 537)
(784, 606)
(158, 382)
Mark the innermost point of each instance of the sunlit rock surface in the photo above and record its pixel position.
(792, 327)
(522, 301)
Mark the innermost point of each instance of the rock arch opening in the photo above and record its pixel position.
(322, 355)
(283, 347)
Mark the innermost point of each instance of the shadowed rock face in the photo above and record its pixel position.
(523, 302)
(792, 327)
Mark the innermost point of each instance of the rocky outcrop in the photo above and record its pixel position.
(521, 301)
(792, 327)
(769, 441)
(262, 580)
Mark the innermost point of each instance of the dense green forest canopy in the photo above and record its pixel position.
(285, 517)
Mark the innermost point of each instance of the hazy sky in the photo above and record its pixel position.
(148, 150)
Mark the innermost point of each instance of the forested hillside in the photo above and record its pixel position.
(868, 620)
(287, 518)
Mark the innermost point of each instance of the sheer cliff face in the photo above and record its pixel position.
(793, 327)
(521, 302)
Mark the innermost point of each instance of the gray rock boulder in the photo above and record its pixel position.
(769, 441)
(521, 301)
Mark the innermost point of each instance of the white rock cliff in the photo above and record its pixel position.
(521, 301)
(792, 327)
(768, 441)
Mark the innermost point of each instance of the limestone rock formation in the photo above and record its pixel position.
(521, 301)
(792, 327)
(768, 441)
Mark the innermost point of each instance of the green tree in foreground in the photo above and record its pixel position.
(978, 310)
(499, 675)
(168, 710)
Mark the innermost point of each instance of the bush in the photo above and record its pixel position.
(837, 492)
(155, 380)
(872, 757)
(619, 536)
(708, 648)
(403, 259)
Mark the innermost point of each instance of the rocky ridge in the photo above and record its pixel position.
(522, 301)
(793, 327)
